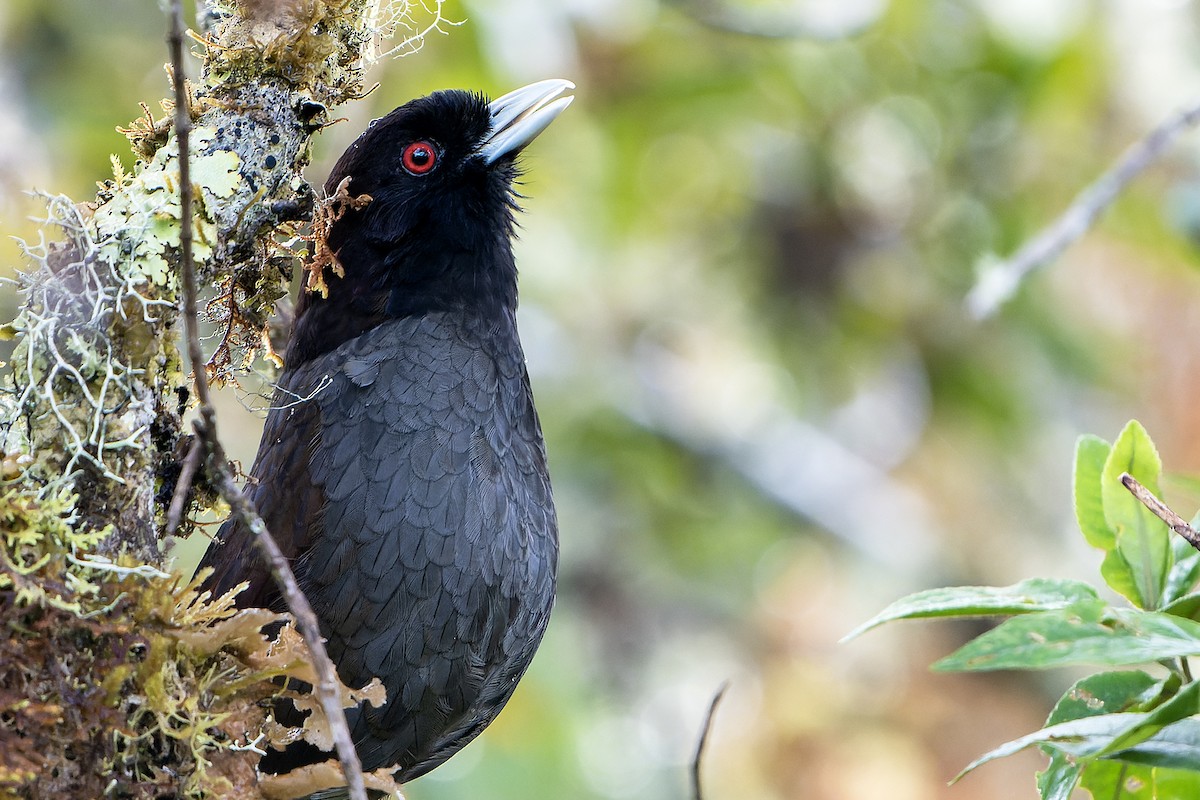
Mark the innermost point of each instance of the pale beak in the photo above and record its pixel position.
(519, 116)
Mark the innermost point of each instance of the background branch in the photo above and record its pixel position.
(705, 727)
(999, 281)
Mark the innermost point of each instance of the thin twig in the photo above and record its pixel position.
(999, 281)
(306, 621)
(218, 464)
(1160, 510)
(697, 792)
(186, 473)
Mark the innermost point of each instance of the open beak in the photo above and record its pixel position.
(519, 116)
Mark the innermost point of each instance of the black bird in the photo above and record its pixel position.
(402, 468)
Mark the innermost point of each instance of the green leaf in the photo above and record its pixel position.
(1124, 736)
(1058, 779)
(1181, 706)
(1036, 594)
(1091, 732)
(1119, 576)
(1113, 779)
(1185, 569)
(1141, 538)
(1187, 606)
(1088, 632)
(1110, 693)
(1120, 780)
(1175, 783)
(1090, 454)
(1176, 746)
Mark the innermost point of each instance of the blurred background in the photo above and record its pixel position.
(768, 414)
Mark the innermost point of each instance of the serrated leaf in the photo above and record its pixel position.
(1090, 454)
(1110, 693)
(1036, 594)
(1086, 633)
(1141, 538)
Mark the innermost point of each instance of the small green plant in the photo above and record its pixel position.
(1127, 732)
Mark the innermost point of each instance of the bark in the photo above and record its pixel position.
(117, 678)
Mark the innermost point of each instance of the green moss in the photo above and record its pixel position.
(120, 680)
(115, 669)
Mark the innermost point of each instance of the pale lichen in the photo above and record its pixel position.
(118, 679)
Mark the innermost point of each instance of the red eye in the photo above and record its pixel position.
(419, 157)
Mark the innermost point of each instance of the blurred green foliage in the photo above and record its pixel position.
(767, 411)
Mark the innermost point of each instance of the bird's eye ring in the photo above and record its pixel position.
(419, 157)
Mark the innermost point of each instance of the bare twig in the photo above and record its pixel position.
(697, 793)
(218, 464)
(388, 17)
(1000, 280)
(186, 473)
(306, 620)
(1160, 510)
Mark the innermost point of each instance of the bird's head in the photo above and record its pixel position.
(436, 233)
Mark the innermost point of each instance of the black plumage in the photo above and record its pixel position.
(402, 468)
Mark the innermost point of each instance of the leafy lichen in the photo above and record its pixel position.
(118, 678)
(122, 680)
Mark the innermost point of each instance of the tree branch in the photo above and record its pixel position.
(999, 281)
(306, 620)
(90, 423)
(183, 485)
(218, 465)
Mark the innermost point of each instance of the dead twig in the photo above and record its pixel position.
(218, 464)
(697, 792)
(999, 281)
(184, 483)
(1160, 510)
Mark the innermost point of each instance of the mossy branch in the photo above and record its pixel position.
(90, 420)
